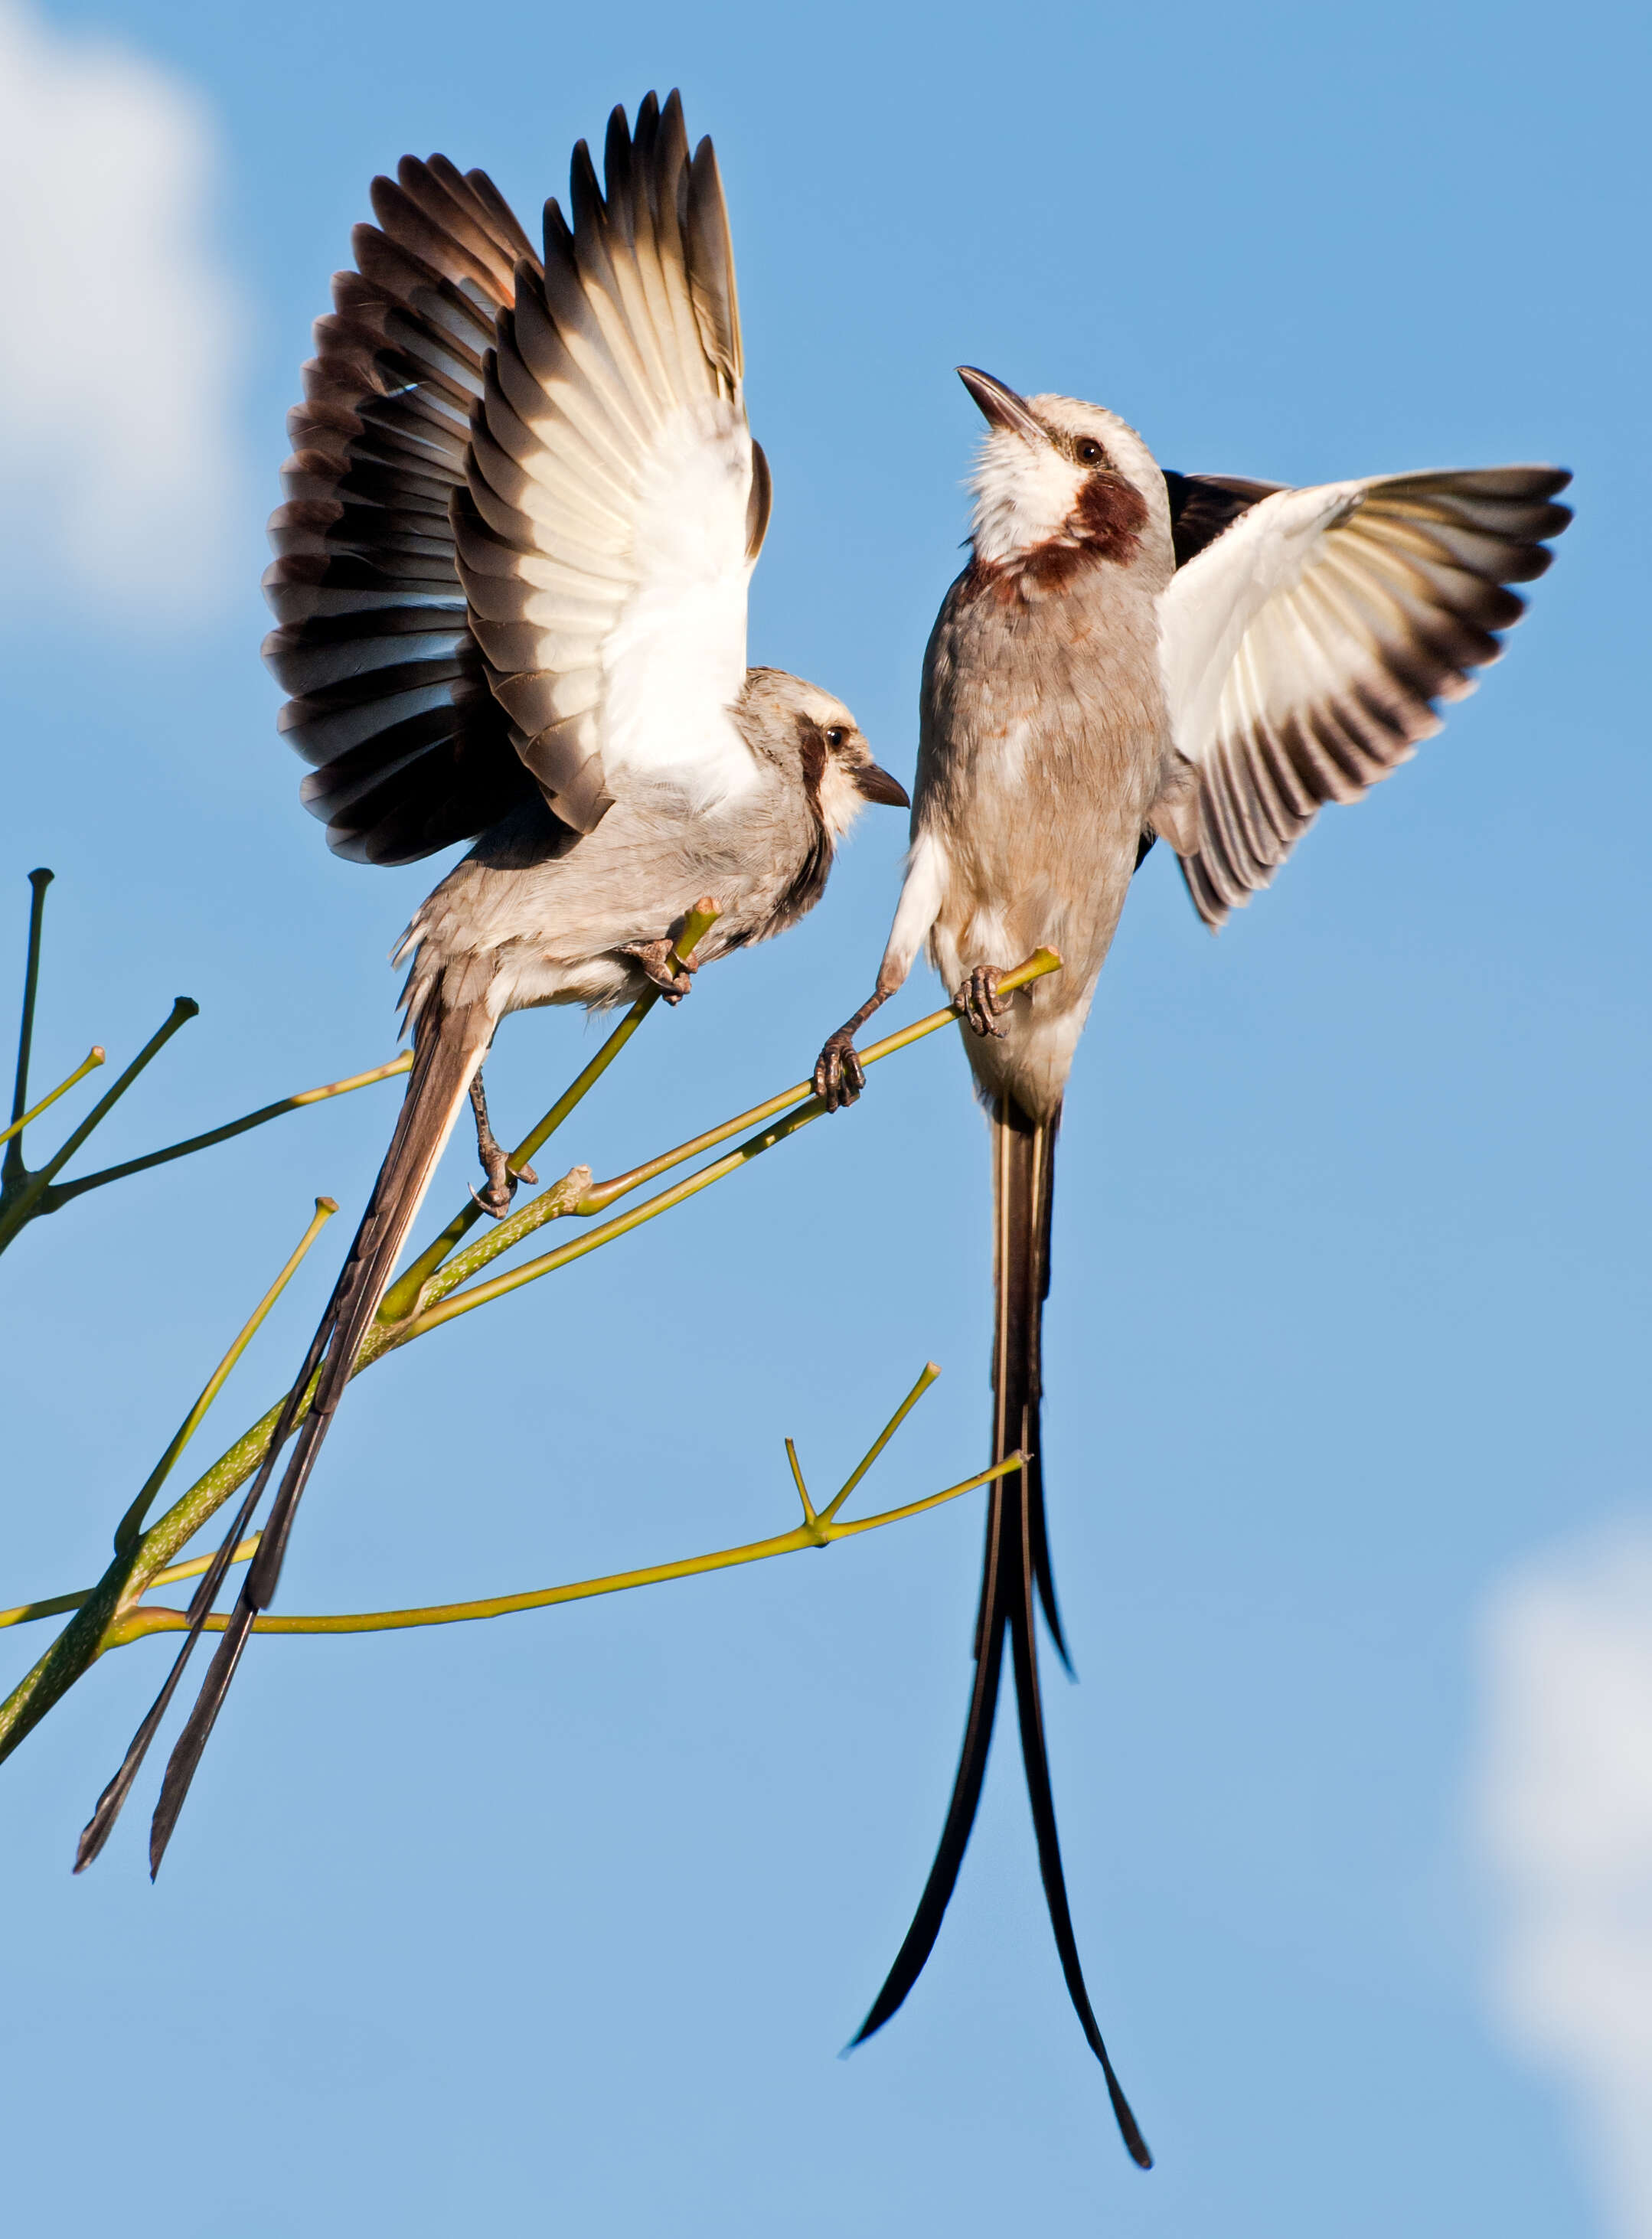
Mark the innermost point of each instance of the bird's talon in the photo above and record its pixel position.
(662, 965)
(839, 1074)
(979, 1003)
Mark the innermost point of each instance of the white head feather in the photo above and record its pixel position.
(1026, 491)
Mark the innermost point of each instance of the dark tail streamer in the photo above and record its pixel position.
(1016, 1571)
(450, 1046)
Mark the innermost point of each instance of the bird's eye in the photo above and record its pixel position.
(1090, 452)
(836, 735)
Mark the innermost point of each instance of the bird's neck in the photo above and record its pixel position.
(1103, 528)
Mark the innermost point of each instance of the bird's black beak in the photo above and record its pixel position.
(1001, 407)
(875, 784)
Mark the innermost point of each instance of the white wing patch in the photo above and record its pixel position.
(1303, 651)
(676, 658)
(606, 532)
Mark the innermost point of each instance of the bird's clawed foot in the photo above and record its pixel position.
(839, 1074)
(660, 959)
(979, 1003)
(495, 1200)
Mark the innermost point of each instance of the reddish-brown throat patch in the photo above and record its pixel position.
(1105, 525)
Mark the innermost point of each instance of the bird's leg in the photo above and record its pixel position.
(659, 959)
(839, 1074)
(979, 1003)
(502, 1183)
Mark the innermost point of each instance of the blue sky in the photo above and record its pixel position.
(562, 1922)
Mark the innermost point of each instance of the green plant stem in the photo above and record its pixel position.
(1041, 961)
(403, 1294)
(60, 1194)
(89, 1064)
(130, 1575)
(930, 1371)
(128, 1530)
(26, 1200)
(175, 1573)
(26, 1612)
(138, 1622)
(594, 1200)
(25, 1196)
(80, 1643)
(11, 1173)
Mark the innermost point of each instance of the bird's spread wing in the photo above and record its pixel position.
(389, 694)
(1203, 506)
(1303, 649)
(615, 501)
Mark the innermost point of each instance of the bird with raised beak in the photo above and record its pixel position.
(1131, 654)
(522, 511)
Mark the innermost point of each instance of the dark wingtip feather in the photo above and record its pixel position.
(363, 540)
(585, 193)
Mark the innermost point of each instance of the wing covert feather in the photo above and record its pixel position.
(388, 693)
(613, 502)
(522, 504)
(1305, 643)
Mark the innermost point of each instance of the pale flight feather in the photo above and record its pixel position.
(606, 535)
(1303, 651)
(524, 505)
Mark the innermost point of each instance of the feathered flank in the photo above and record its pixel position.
(1305, 645)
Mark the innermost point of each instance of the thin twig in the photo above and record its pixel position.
(11, 1173)
(594, 1200)
(25, 1196)
(931, 1370)
(137, 1624)
(60, 1194)
(89, 1631)
(403, 1294)
(130, 1529)
(27, 1201)
(90, 1063)
(174, 1574)
(817, 1530)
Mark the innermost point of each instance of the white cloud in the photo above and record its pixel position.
(118, 465)
(1564, 1808)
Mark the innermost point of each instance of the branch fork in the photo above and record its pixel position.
(113, 1613)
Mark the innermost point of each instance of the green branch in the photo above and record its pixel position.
(819, 1529)
(575, 1193)
(90, 1063)
(427, 1289)
(62, 1192)
(130, 1529)
(400, 1299)
(38, 880)
(815, 1531)
(26, 1196)
(175, 1573)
